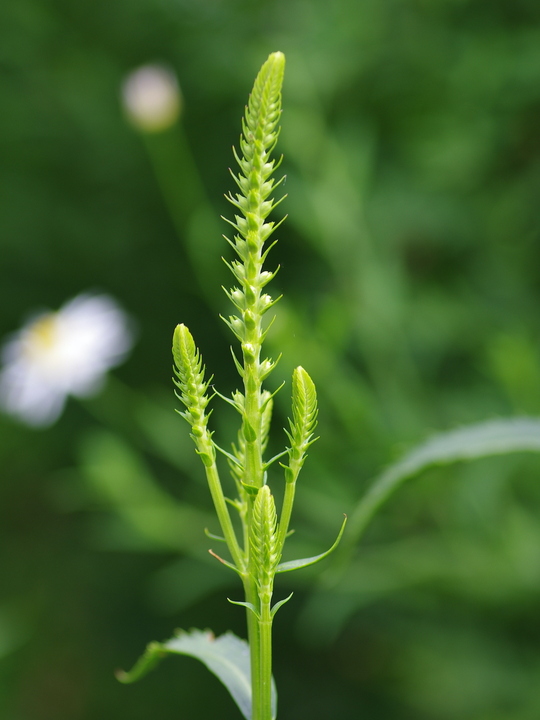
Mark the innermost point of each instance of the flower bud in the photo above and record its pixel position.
(263, 539)
(304, 411)
(152, 98)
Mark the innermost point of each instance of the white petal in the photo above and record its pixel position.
(58, 354)
(24, 395)
(93, 336)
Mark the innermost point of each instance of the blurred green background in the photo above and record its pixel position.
(410, 267)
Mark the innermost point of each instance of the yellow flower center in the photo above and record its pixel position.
(42, 335)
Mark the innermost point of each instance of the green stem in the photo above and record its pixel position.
(188, 204)
(260, 646)
(252, 597)
(286, 511)
(253, 452)
(263, 693)
(222, 511)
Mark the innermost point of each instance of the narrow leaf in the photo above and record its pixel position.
(280, 604)
(224, 562)
(227, 656)
(493, 437)
(219, 538)
(297, 564)
(248, 605)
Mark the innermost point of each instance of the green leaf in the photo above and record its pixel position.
(227, 656)
(248, 605)
(493, 437)
(142, 514)
(297, 564)
(280, 604)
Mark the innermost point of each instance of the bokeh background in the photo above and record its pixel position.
(410, 267)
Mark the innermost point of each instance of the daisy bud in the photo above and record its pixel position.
(152, 98)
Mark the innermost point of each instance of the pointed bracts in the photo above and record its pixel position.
(190, 381)
(303, 423)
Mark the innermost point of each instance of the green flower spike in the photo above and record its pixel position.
(189, 371)
(304, 411)
(257, 557)
(254, 204)
(263, 541)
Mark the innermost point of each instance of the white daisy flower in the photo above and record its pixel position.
(152, 98)
(62, 353)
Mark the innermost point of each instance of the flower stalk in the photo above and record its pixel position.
(257, 554)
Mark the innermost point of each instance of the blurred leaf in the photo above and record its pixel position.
(14, 629)
(118, 475)
(227, 656)
(514, 362)
(493, 437)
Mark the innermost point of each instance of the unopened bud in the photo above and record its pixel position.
(152, 98)
(264, 539)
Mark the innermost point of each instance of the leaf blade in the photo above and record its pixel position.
(226, 656)
(305, 562)
(471, 442)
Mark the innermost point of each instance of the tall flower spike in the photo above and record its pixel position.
(254, 181)
(253, 205)
(257, 557)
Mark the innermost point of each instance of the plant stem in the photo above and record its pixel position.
(252, 230)
(260, 646)
(252, 420)
(286, 512)
(264, 691)
(254, 648)
(222, 512)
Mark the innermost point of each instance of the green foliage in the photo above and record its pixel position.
(493, 437)
(409, 269)
(226, 656)
(257, 558)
